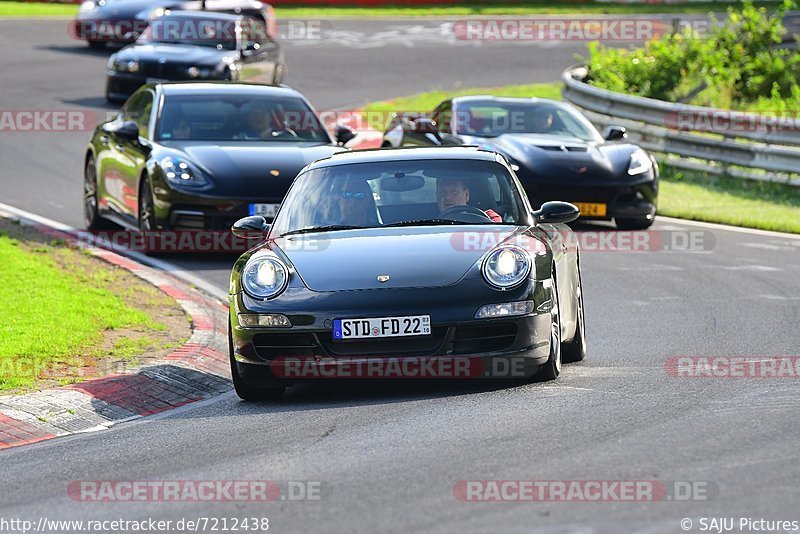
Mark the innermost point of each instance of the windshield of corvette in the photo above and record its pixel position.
(237, 117)
(400, 193)
(493, 118)
(208, 32)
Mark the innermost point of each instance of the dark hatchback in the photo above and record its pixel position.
(197, 156)
(196, 46)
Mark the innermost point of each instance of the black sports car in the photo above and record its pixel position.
(410, 259)
(121, 21)
(559, 154)
(200, 156)
(183, 45)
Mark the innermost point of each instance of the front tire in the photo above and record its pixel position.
(91, 216)
(244, 391)
(552, 368)
(575, 350)
(97, 45)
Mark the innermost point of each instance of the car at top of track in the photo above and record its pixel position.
(407, 254)
(199, 156)
(190, 45)
(558, 153)
(99, 22)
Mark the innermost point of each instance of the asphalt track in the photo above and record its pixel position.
(388, 455)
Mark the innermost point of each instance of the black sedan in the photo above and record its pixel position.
(405, 263)
(558, 153)
(100, 22)
(184, 45)
(199, 156)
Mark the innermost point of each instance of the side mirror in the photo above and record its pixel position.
(556, 212)
(128, 130)
(424, 125)
(615, 133)
(344, 134)
(245, 228)
(251, 49)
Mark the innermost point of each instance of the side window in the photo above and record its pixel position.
(138, 109)
(443, 116)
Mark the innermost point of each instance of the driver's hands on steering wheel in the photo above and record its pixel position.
(472, 212)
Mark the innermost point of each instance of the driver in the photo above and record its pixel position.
(453, 192)
(263, 122)
(540, 121)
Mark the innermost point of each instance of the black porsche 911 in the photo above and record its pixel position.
(406, 258)
(184, 45)
(100, 22)
(558, 152)
(199, 156)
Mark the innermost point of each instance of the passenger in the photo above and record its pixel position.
(357, 204)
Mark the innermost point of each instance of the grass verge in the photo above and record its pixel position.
(68, 316)
(684, 194)
(35, 9)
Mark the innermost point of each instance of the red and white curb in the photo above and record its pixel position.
(196, 371)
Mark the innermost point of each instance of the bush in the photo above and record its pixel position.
(737, 65)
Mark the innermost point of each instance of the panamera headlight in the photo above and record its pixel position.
(265, 277)
(179, 171)
(506, 267)
(86, 6)
(640, 162)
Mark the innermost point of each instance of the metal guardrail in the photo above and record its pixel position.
(686, 134)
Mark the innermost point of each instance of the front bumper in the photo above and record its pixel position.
(470, 348)
(623, 201)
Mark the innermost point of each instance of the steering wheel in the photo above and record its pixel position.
(286, 131)
(470, 211)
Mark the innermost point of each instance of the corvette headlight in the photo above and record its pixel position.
(86, 6)
(640, 162)
(123, 65)
(506, 267)
(180, 172)
(265, 277)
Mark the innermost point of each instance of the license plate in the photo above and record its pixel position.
(265, 210)
(591, 209)
(412, 325)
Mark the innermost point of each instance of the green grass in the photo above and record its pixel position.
(425, 102)
(35, 9)
(704, 197)
(520, 7)
(49, 315)
(684, 194)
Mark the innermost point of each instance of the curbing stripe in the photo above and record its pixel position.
(198, 370)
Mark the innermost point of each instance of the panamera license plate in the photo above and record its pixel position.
(412, 325)
(591, 209)
(265, 210)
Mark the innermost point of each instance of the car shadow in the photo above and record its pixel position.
(91, 102)
(81, 48)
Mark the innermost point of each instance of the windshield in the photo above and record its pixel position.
(400, 193)
(235, 117)
(491, 118)
(219, 34)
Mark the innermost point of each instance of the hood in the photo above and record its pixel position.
(183, 54)
(242, 169)
(563, 160)
(353, 259)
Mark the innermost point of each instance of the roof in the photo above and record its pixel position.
(226, 88)
(396, 154)
(508, 99)
(201, 15)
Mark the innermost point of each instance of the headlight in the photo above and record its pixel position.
(506, 267)
(180, 172)
(86, 6)
(123, 65)
(265, 277)
(640, 162)
(198, 72)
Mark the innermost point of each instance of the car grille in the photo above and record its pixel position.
(477, 339)
(408, 346)
(272, 346)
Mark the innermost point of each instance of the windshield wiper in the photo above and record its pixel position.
(422, 222)
(328, 228)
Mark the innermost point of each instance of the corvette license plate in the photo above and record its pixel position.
(591, 209)
(412, 325)
(265, 210)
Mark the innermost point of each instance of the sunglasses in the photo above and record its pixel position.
(358, 195)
